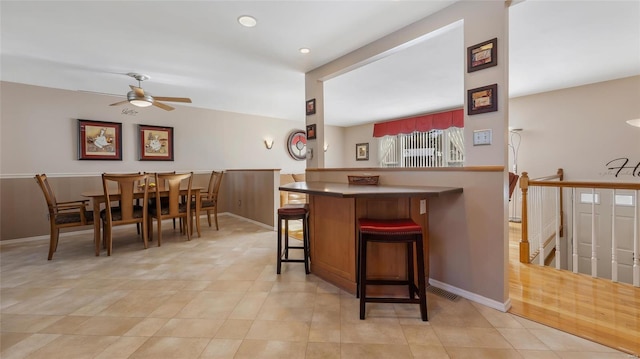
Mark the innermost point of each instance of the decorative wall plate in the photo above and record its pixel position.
(297, 145)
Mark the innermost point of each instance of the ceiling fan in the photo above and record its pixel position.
(138, 97)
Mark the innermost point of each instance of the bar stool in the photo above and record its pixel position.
(402, 230)
(287, 213)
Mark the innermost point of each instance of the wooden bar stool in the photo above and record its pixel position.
(287, 213)
(402, 230)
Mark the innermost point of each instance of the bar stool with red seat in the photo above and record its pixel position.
(287, 213)
(402, 230)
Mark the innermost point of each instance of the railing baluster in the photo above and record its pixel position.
(636, 244)
(614, 254)
(558, 255)
(594, 255)
(574, 231)
(541, 239)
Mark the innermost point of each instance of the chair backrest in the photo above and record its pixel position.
(49, 196)
(214, 185)
(513, 179)
(128, 184)
(172, 182)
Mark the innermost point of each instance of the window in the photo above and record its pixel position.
(435, 148)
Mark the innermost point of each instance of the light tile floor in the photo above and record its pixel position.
(219, 297)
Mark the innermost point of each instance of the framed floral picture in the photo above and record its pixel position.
(156, 143)
(98, 140)
(362, 151)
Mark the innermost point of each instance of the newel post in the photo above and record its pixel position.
(524, 240)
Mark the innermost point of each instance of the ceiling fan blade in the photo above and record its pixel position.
(119, 103)
(163, 106)
(173, 99)
(138, 90)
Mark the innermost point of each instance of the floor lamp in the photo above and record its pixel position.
(514, 145)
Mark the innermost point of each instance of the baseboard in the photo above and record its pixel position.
(503, 307)
(248, 220)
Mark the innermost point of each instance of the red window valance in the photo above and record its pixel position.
(422, 123)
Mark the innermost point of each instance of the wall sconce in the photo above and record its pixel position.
(326, 147)
(268, 143)
(635, 122)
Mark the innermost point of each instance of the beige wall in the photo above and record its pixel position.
(579, 129)
(38, 134)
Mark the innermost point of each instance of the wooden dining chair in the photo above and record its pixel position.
(127, 211)
(152, 201)
(177, 205)
(62, 214)
(209, 200)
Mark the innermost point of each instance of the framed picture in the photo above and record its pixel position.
(311, 106)
(482, 99)
(99, 140)
(482, 55)
(156, 143)
(311, 132)
(297, 145)
(362, 151)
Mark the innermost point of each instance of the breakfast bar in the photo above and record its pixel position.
(334, 212)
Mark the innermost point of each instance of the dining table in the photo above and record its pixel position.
(98, 198)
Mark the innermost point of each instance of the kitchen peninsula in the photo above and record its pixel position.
(334, 212)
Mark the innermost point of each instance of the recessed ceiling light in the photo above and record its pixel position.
(304, 50)
(247, 21)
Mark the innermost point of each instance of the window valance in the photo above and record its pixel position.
(422, 123)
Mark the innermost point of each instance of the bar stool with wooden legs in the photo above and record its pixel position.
(288, 213)
(404, 231)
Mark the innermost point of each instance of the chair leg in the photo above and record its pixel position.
(209, 218)
(305, 244)
(53, 241)
(286, 239)
(109, 239)
(188, 226)
(422, 288)
(159, 220)
(215, 215)
(363, 277)
(145, 233)
(410, 276)
(279, 262)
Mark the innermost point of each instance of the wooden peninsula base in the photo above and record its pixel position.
(334, 212)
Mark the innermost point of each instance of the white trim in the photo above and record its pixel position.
(503, 307)
(62, 175)
(248, 220)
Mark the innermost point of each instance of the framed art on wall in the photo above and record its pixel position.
(311, 107)
(482, 99)
(482, 55)
(156, 143)
(98, 140)
(362, 151)
(311, 132)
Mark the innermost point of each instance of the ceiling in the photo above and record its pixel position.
(197, 49)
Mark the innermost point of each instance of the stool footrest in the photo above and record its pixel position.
(392, 300)
(292, 260)
(390, 282)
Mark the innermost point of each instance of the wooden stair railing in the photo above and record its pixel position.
(557, 181)
(525, 182)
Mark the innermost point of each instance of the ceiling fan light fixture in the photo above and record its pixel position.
(247, 21)
(139, 101)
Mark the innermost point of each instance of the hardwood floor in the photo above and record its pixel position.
(596, 309)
